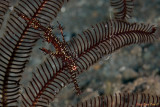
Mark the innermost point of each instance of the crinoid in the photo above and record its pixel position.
(29, 21)
(122, 9)
(122, 100)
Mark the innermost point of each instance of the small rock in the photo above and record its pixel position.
(122, 68)
(146, 66)
(129, 74)
(96, 67)
(89, 96)
(89, 90)
(137, 50)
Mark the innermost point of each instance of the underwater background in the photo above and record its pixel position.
(131, 69)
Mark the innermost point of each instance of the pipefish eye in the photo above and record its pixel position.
(74, 67)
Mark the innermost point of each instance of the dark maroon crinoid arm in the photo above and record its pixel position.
(105, 38)
(122, 8)
(122, 100)
(17, 43)
(46, 83)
